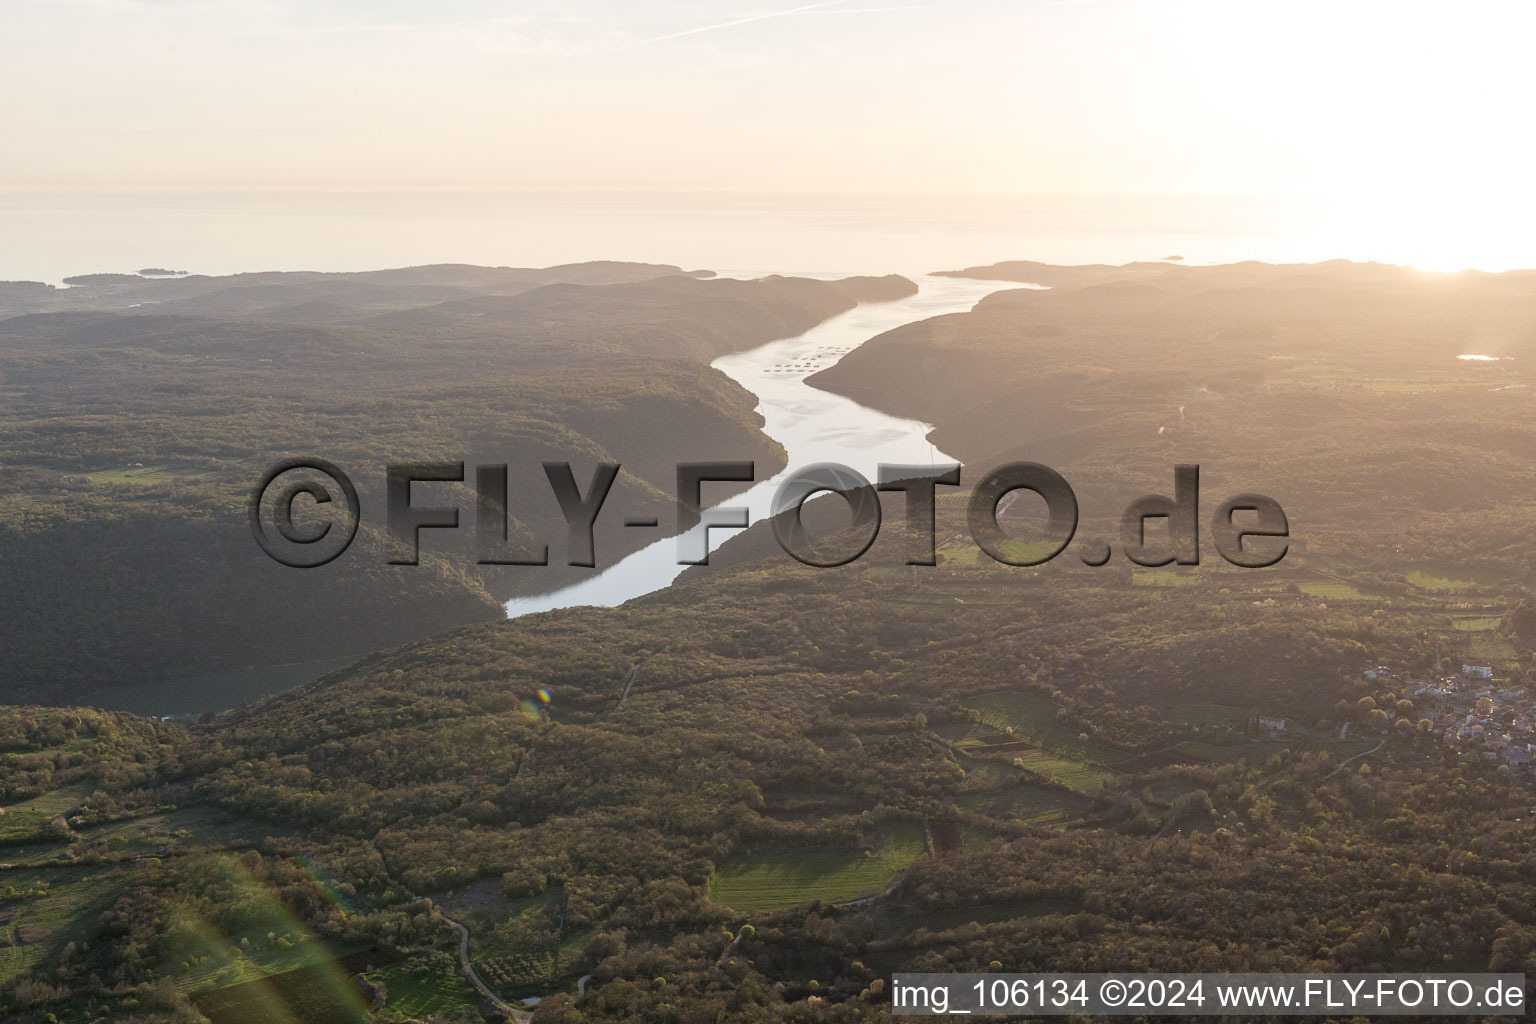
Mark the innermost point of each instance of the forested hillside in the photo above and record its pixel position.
(1338, 389)
(755, 795)
(761, 791)
(132, 439)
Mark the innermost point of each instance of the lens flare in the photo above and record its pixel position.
(325, 882)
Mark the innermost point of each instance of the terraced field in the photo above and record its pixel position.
(773, 880)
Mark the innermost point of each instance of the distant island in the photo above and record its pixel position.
(83, 280)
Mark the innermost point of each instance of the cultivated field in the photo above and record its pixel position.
(773, 880)
(424, 986)
(1034, 716)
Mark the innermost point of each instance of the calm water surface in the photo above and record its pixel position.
(813, 426)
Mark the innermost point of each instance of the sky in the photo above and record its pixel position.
(1409, 118)
(1183, 96)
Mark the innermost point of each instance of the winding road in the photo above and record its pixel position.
(1364, 753)
(520, 1016)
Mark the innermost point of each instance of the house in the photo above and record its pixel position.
(1518, 757)
(1271, 723)
(1477, 670)
(1378, 673)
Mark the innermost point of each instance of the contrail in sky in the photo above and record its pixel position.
(741, 21)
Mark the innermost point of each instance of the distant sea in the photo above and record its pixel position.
(50, 236)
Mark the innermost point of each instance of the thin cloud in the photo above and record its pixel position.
(740, 21)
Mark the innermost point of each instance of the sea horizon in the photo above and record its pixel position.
(59, 233)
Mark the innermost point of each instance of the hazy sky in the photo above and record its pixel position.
(1182, 96)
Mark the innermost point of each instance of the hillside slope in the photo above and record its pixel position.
(133, 441)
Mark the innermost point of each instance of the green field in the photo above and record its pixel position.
(1182, 577)
(1076, 775)
(515, 972)
(424, 986)
(1349, 748)
(172, 830)
(975, 838)
(983, 774)
(29, 821)
(966, 551)
(1338, 590)
(1220, 753)
(1496, 650)
(1034, 716)
(41, 910)
(997, 789)
(152, 475)
(1447, 579)
(322, 993)
(778, 879)
(218, 967)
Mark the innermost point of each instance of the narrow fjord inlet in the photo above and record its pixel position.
(812, 425)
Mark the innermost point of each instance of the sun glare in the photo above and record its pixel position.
(1435, 228)
(1411, 125)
